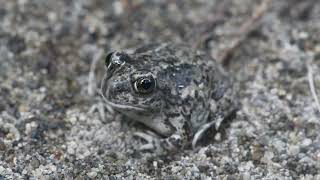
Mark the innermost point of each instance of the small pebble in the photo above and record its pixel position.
(2, 146)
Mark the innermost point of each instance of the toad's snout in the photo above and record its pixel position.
(113, 88)
(118, 88)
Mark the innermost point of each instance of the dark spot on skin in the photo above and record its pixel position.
(124, 57)
(184, 110)
(167, 123)
(175, 142)
(187, 129)
(218, 92)
(153, 100)
(173, 115)
(171, 102)
(196, 94)
(207, 78)
(134, 101)
(186, 101)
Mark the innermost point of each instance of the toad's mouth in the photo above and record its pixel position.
(126, 107)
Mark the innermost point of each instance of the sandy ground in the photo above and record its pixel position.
(49, 131)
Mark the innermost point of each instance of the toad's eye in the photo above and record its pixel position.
(144, 85)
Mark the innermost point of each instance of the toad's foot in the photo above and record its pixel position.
(156, 144)
(153, 142)
(100, 107)
(198, 135)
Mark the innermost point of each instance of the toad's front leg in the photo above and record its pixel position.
(177, 138)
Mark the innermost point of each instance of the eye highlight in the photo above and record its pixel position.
(144, 85)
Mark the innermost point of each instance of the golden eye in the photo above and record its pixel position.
(145, 85)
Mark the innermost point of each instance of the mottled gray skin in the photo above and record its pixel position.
(191, 92)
